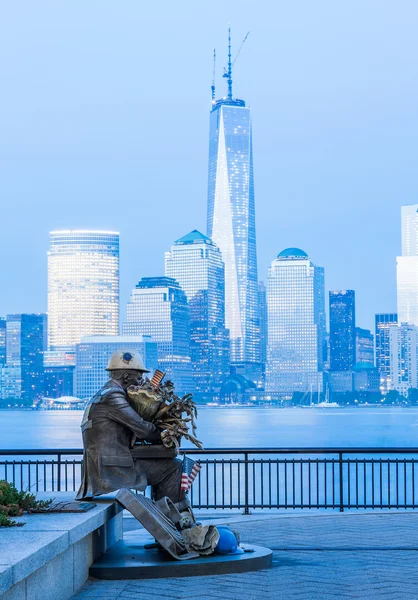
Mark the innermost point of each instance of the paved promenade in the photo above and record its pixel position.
(316, 557)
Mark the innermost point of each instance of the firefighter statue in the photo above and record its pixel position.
(122, 449)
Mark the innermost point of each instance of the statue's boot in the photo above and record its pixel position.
(187, 519)
(159, 519)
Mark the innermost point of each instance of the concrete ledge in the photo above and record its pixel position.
(49, 557)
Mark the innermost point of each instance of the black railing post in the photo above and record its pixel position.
(340, 470)
(247, 486)
(59, 473)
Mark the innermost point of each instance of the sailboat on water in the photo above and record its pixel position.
(326, 403)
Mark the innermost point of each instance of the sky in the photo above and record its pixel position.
(104, 121)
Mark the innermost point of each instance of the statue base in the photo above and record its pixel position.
(129, 560)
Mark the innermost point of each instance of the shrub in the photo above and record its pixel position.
(14, 503)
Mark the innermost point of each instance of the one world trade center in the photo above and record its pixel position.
(231, 223)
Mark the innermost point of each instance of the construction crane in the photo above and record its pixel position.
(213, 77)
(228, 71)
(240, 48)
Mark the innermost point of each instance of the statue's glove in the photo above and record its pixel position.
(154, 437)
(167, 439)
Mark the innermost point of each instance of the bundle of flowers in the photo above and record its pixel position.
(174, 416)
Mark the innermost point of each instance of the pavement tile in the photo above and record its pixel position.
(321, 557)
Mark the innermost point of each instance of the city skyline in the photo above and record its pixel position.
(182, 315)
(323, 145)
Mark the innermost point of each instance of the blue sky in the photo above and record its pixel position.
(104, 117)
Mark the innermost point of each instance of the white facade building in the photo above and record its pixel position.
(409, 224)
(407, 267)
(83, 286)
(296, 324)
(403, 357)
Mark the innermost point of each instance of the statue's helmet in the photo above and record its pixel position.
(124, 360)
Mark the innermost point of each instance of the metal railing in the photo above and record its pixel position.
(256, 478)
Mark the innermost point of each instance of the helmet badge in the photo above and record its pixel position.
(127, 357)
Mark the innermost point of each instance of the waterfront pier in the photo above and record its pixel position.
(341, 524)
(316, 556)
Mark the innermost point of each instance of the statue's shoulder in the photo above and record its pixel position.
(111, 390)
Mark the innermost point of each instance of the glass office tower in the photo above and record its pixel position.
(83, 286)
(342, 330)
(2, 342)
(407, 267)
(196, 263)
(383, 323)
(364, 346)
(262, 301)
(403, 341)
(231, 225)
(158, 307)
(25, 353)
(296, 324)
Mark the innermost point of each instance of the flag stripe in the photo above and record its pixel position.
(157, 378)
(191, 469)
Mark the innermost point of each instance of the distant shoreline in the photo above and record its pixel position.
(238, 406)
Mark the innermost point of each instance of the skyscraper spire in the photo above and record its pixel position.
(228, 74)
(228, 71)
(213, 77)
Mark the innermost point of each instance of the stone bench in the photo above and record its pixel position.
(49, 557)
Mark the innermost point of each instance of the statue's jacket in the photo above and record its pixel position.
(110, 427)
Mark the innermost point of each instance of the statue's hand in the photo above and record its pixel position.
(167, 440)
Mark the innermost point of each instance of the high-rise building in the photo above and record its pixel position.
(158, 307)
(407, 289)
(58, 381)
(409, 226)
(364, 346)
(2, 342)
(342, 325)
(59, 370)
(383, 322)
(407, 267)
(403, 357)
(10, 384)
(195, 262)
(83, 286)
(92, 357)
(296, 323)
(262, 303)
(366, 378)
(231, 223)
(25, 350)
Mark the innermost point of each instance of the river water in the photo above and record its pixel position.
(237, 427)
(281, 482)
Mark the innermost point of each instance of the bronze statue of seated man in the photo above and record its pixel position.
(110, 428)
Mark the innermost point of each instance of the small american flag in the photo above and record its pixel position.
(157, 378)
(190, 471)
